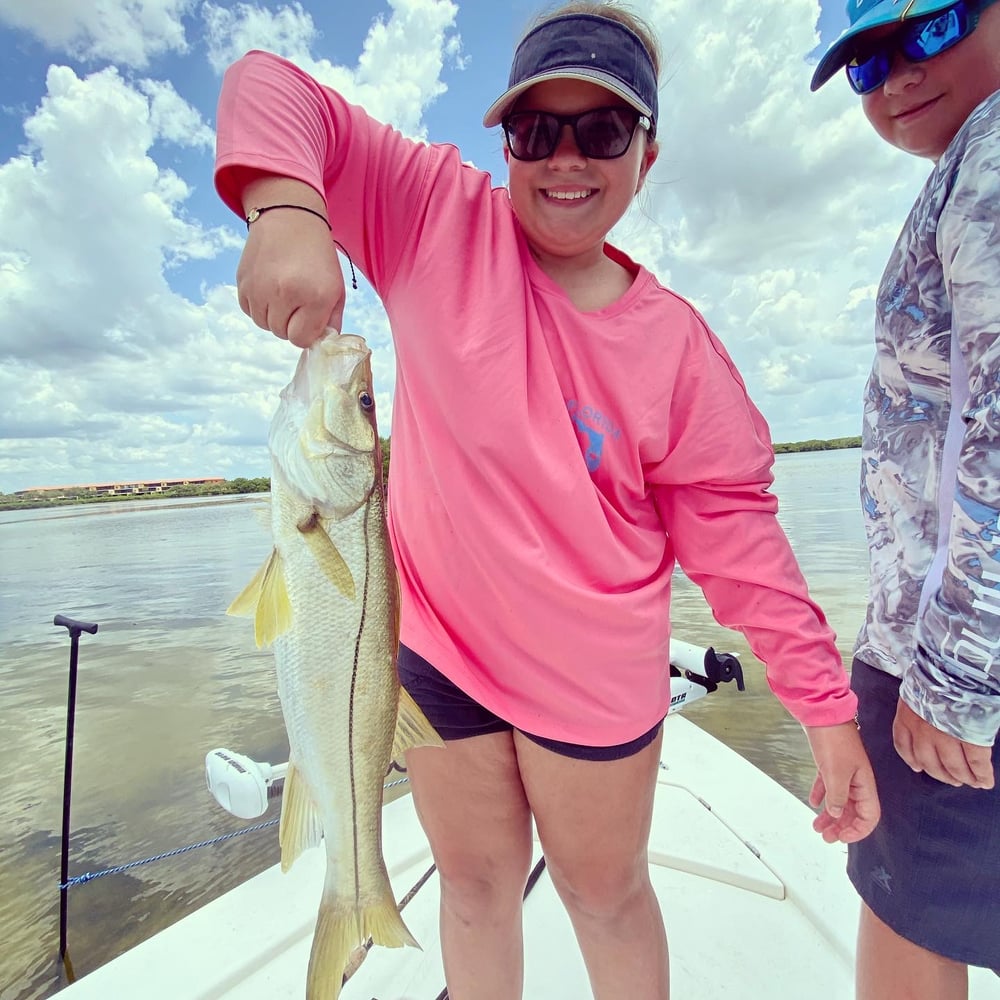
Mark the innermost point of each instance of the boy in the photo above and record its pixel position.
(927, 661)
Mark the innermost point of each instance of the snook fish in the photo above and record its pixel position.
(328, 601)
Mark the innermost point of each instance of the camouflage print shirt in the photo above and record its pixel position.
(930, 480)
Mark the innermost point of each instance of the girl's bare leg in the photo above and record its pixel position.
(473, 808)
(593, 819)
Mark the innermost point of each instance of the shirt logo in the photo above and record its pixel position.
(593, 427)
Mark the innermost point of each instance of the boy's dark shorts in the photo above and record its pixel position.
(456, 716)
(931, 869)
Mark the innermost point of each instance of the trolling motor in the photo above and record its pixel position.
(240, 785)
(696, 672)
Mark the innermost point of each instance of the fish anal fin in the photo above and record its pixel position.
(412, 727)
(327, 555)
(245, 605)
(265, 599)
(300, 825)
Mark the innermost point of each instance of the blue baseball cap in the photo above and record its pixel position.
(864, 15)
(582, 47)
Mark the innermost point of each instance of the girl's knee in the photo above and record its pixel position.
(597, 892)
(476, 897)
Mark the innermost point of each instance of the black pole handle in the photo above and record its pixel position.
(75, 628)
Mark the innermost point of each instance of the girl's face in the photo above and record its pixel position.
(567, 204)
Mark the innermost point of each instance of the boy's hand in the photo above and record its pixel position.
(844, 785)
(943, 756)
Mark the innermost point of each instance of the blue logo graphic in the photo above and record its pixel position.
(593, 427)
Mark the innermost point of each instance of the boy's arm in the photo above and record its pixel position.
(953, 682)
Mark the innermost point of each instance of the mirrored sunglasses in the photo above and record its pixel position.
(600, 134)
(917, 39)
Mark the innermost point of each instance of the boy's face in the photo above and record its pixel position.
(922, 105)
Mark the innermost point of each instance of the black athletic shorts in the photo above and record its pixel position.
(456, 716)
(931, 869)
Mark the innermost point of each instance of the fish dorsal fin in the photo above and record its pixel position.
(265, 599)
(326, 554)
(412, 727)
(300, 825)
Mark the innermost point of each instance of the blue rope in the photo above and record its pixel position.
(90, 876)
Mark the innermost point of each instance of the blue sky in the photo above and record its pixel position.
(123, 353)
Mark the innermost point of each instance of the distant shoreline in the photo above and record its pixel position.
(231, 487)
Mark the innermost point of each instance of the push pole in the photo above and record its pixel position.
(75, 628)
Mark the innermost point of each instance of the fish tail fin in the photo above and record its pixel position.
(412, 727)
(265, 599)
(339, 939)
(337, 935)
(384, 925)
(300, 825)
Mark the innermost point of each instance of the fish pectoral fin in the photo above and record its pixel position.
(300, 825)
(265, 599)
(328, 556)
(412, 727)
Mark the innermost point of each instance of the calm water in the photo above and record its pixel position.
(169, 677)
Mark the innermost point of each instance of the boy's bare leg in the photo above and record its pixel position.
(891, 968)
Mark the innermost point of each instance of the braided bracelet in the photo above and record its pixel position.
(256, 213)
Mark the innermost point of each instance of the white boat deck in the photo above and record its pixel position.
(755, 904)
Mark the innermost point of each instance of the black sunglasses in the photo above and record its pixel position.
(600, 134)
(917, 39)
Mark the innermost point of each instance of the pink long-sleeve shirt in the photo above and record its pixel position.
(548, 465)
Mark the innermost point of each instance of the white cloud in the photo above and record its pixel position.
(129, 32)
(173, 119)
(771, 208)
(776, 207)
(92, 222)
(414, 41)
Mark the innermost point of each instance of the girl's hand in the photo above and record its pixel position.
(289, 279)
(844, 785)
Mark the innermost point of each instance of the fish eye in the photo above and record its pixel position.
(365, 399)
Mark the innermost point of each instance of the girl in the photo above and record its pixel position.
(564, 429)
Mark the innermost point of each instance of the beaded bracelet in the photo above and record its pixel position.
(256, 213)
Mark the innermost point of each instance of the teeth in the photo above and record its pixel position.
(567, 195)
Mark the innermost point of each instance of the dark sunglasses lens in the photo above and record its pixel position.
(866, 75)
(531, 135)
(937, 34)
(605, 133)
